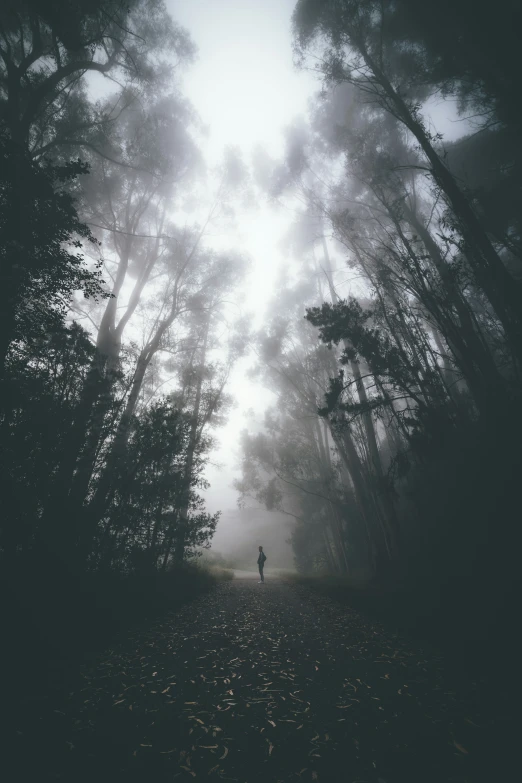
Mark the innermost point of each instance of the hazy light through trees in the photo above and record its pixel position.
(297, 234)
(247, 90)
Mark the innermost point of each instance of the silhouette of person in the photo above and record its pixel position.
(261, 564)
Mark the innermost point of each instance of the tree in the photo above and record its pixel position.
(41, 260)
(139, 148)
(47, 48)
(45, 373)
(128, 207)
(467, 51)
(359, 51)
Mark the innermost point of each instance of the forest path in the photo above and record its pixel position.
(260, 682)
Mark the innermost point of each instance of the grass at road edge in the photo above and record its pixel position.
(467, 642)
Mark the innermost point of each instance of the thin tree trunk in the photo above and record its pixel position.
(334, 518)
(108, 345)
(348, 454)
(479, 352)
(191, 451)
(502, 290)
(390, 516)
(333, 566)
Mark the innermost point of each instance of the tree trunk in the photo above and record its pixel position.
(334, 519)
(502, 290)
(478, 351)
(348, 453)
(179, 551)
(390, 516)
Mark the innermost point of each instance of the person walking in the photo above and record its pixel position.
(261, 564)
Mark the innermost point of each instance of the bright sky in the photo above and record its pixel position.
(246, 90)
(244, 84)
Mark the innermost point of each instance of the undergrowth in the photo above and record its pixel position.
(53, 619)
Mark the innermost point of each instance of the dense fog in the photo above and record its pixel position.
(261, 286)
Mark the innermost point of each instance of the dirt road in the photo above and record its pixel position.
(260, 682)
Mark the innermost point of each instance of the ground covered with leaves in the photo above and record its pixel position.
(261, 682)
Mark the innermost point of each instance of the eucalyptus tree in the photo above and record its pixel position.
(47, 112)
(297, 370)
(149, 493)
(354, 46)
(172, 268)
(378, 206)
(282, 470)
(202, 394)
(128, 209)
(197, 279)
(176, 522)
(305, 177)
(469, 52)
(48, 49)
(47, 371)
(382, 214)
(128, 200)
(42, 262)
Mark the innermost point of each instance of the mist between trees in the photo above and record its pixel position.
(393, 343)
(394, 439)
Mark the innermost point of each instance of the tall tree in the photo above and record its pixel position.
(358, 50)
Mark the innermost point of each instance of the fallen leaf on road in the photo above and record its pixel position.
(459, 747)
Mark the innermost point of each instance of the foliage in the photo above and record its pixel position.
(102, 467)
(410, 381)
(41, 239)
(48, 48)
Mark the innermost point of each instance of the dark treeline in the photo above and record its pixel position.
(395, 440)
(109, 292)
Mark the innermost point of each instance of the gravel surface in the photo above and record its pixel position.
(260, 682)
